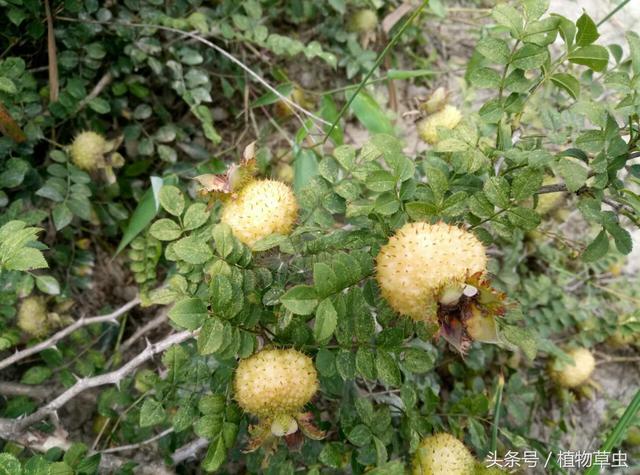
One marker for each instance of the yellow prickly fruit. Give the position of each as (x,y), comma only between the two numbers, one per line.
(420,259)
(442,454)
(87,150)
(32,317)
(448,117)
(275,382)
(263,207)
(571,375)
(363,21)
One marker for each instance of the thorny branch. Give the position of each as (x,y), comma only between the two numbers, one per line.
(150,440)
(10,428)
(50,342)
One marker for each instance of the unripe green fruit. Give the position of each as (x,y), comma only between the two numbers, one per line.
(263,207)
(448,117)
(87,150)
(442,454)
(32,317)
(275,382)
(420,259)
(572,375)
(363,21)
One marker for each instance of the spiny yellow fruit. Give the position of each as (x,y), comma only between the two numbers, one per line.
(448,117)
(32,317)
(420,259)
(263,207)
(572,375)
(275,382)
(87,150)
(363,21)
(442,454)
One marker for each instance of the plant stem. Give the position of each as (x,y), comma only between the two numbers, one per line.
(375,66)
(496,415)
(616,434)
(613,12)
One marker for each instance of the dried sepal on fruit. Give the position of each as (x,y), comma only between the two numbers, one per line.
(275,385)
(572,375)
(226,186)
(436,273)
(442,454)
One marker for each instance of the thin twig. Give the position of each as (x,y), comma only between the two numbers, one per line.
(9,388)
(10,427)
(95,92)
(122,448)
(54,85)
(613,12)
(152,324)
(220,50)
(375,66)
(42,442)
(50,342)
(189,451)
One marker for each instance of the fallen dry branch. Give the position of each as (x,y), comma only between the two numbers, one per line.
(189,451)
(10,428)
(9,388)
(50,342)
(150,440)
(40,442)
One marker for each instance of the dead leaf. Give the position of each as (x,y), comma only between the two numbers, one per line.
(392,18)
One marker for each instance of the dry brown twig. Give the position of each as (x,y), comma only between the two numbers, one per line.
(220,50)
(95,92)
(51,341)
(10,428)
